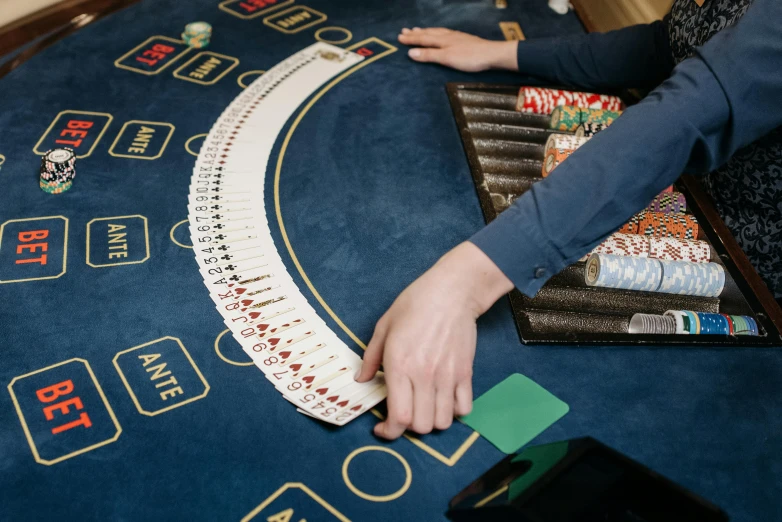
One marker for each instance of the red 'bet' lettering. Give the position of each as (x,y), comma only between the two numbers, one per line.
(253,5)
(26,237)
(50,393)
(365,52)
(73,129)
(157,53)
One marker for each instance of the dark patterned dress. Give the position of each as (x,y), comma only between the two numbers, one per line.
(747,190)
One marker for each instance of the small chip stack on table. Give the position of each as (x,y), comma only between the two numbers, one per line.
(57,170)
(197,34)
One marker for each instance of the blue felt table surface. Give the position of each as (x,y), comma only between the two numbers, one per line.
(374,187)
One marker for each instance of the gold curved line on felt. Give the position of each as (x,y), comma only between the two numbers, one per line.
(171,235)
(190,140)
(448,461)
(223,357)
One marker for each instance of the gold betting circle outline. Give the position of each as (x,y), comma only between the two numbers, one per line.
(241,77)
(377,498)
(223,357)
(319,38)
(469,441)
(2,160)
(190,139)
(171,235)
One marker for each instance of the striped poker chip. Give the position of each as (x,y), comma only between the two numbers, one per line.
(674,249)
(653,324)
(589,129)
(631,227)
(679,318)
(569,117)
(563,141)
(540,100)
(668,203)
(553,158)
(686,278)
(624,245)
(657,224)
(627,273)
(566,118)
(713,324)
(692,322)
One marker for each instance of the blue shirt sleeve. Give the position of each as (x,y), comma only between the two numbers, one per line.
(723,98)
(636,56)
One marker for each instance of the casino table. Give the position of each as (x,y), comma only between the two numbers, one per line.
(367,186)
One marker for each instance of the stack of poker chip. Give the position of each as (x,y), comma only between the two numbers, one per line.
(658,224)
(654,275)
(568,118)
(668,203)
(540,100)
(685,278)
(197,34)
(626,273)
(675,249)
(57,170)
(557,149)
(667,248)
(589,129)
(652,324)
(702,323)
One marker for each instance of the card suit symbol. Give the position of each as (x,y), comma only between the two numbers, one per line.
(356,407)
(234,278)
(217,216)
(342,404)
(221,162)
(321,391)
(285,355)
(333,398)
(240,290)
(295,367)
(308,379)
(220,237)
(223,248)
(224,156)
(219,226)
(273,341)
(255,315)
(247,302)
(227,257)
(220,168)
(230,267)
(216,207)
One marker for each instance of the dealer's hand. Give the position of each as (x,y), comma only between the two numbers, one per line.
(426,342)
(459,50)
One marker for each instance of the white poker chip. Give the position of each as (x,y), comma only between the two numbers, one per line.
(678,317)
(59,155)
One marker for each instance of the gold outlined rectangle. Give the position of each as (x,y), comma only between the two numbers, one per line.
(26,428)
(133,397)
(146,241)
(57,118)
(64,248)
(319,18)
(512,31)
(224,6)
(141,122)
(118,64)
(194,58)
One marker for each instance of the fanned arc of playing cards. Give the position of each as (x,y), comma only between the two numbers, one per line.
(259,301)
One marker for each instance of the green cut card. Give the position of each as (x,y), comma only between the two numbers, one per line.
(514,412)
